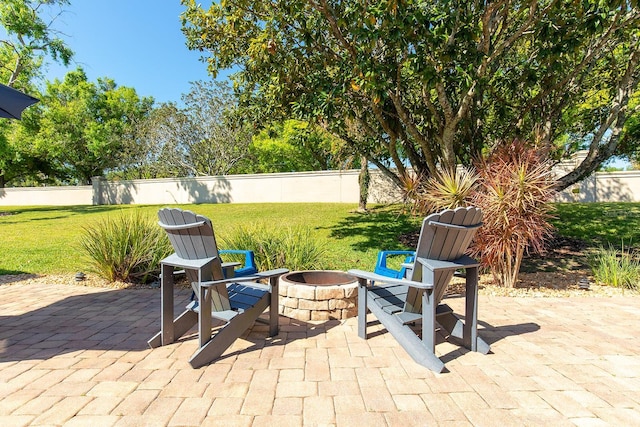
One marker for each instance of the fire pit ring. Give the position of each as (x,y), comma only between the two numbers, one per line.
(318,295)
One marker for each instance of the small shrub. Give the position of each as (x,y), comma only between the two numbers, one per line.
(126,248)
(620,269)
(445,189)
(449,189)
(515,188)
(412,187)
(292,247)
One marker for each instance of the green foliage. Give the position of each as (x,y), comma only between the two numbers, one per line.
(154,154)
(446,189)
(293,146)
(620,269)
(28,38)
(630,141)
(513,187)
(515,190)
(432,83)
(85,126)
(207,136)
(449,189)
(292,247)
(45,240)
(213,136)
(127,248)
(412,186)
(80,129)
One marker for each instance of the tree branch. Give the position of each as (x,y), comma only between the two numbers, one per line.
(614,123)
(591,55)
(405,117)
(329,14)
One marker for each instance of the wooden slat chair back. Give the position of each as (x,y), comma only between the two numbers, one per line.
(444,236)
(235,302)
(192,238)
(402,303)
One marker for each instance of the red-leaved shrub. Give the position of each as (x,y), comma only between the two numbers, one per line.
(515,188)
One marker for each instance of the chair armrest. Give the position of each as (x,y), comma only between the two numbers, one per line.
(462,262)
(249,266)
(230,264)
(175,261)
(367,275)
(270,273)
(262,275)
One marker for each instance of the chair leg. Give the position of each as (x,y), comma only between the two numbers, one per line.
(455,328)
(166,316)
(428,312)
(406,337)
(223,338)
(204,316)
(274,316)
(362,308)
(428,321)
(470,330)
(171,328)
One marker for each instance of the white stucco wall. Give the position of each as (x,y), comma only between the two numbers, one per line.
(46,196)
(297,187)
(323,186)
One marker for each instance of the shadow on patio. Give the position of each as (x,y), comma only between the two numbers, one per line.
(120,320)
(109,320)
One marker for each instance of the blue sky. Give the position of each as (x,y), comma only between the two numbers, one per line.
(137,43)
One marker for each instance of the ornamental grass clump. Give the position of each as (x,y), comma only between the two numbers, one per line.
(620,269)
(450,189)
(445,189)
(126,248)
(294,248)
(412,187)
(515,188)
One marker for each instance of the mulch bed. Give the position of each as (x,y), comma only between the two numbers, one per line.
(556,272)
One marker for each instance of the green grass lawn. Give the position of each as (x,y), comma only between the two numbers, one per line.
(600,224)
(45,240)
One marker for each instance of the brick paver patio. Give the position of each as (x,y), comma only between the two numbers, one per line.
(77,356)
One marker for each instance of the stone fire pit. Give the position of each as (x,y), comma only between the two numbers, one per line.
(318,295)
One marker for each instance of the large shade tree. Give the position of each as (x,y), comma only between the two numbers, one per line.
(213,136)
(83,129)
(204,136)
(28,36)
(433,83)
(152,151)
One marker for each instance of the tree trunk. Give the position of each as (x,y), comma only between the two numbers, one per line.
(363,180)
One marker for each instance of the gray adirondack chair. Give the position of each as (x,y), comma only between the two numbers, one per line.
(400,302)
(236,302)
